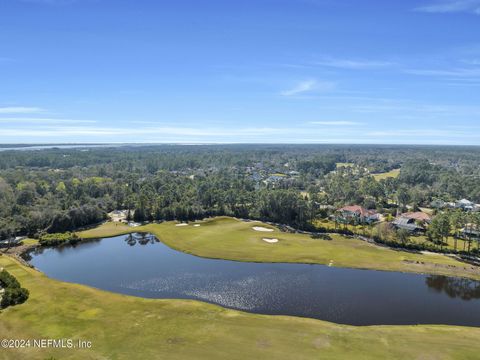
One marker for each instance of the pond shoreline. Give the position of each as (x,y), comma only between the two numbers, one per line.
(173,320)
(18,253)
(239,230)
(147,268)
(462,269)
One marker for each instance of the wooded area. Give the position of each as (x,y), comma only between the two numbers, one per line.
(59,190)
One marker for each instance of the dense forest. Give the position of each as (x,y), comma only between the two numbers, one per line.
(57,190)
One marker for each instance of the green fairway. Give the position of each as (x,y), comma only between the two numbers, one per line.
(391,174)
(232,239)
(344,164)
(29,241)
(123,327)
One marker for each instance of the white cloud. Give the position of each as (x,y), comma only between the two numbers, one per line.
(183,135)
(49,131)
(424,133)
(451,6)
(335,123)
(20,110)
(456,72)
(308,86)
(353,64)
(41,121)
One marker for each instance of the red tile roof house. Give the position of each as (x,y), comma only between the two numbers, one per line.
(357,215)
(418,216)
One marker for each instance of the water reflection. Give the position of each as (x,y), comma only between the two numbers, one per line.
(464,289)
(140,238)
(138,264)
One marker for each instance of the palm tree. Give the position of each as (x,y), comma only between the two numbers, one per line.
(457,221)
(469,219)
(476,220)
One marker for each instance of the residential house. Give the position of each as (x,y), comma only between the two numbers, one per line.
(356,214)
(465,204)
(438,204)
(13,241)
(413,221)
(119,215)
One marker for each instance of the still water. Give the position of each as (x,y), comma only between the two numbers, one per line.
(140,265)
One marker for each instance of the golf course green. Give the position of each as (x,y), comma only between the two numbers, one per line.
(233,239)
(124,327)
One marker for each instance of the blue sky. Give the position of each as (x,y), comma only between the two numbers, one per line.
(277,71)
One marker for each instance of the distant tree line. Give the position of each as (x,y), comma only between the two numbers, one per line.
(59,190)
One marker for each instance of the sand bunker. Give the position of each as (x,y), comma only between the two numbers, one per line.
(182,224)
(196,225)
(270,241)
(261,228)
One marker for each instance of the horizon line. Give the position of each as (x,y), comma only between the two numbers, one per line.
(186,143)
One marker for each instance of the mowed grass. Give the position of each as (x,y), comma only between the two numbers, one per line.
(344,164)
(232,239)
(391,174)
(449,242)
(29,241)
(107,229)
(123,327)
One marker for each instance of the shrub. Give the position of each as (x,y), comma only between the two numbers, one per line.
(7,280)
(14,294)
(58,239)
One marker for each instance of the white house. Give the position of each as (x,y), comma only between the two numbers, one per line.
(465,204)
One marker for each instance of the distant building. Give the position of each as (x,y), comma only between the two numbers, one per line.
(356,214)
(418,216)
(324,206)
(256,176)
(465,204)
(119,215)
(438,204)
(413,221)
(13,241)
(274,179)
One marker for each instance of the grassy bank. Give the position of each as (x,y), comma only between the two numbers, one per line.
(122,327)
(232,239)
(391,174)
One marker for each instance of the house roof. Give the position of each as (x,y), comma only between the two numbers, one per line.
(418,215)
(358,210)
(407,224)
(465,202)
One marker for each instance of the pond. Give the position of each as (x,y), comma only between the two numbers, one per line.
(140,265)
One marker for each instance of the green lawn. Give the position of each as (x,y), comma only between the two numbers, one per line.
(450,242)
(391,174)
(123,327)
(29,241)
(106,230)
(344,164)
(227,238)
